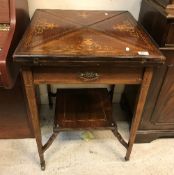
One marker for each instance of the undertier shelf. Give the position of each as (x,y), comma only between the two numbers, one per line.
(83,108)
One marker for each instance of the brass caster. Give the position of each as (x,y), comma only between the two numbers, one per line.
(42,165)
(126,159)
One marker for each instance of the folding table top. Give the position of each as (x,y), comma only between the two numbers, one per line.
(61,35)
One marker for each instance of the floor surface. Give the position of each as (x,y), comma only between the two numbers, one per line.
(70,154)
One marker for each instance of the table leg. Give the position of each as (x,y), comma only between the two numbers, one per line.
(112,92)
(139,109)
(33,112)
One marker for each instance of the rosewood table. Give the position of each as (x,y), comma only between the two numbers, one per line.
(79,47)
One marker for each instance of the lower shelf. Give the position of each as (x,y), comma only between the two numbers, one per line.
(83,108)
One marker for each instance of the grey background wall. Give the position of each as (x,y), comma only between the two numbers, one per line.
(131,5)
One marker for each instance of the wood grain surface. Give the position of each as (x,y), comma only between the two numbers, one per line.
(85,35)
(4,11)
(83,108)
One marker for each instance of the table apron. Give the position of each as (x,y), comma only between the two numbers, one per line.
(88,75)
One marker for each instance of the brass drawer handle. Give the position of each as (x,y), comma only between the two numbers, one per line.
(89,76)
(4,27)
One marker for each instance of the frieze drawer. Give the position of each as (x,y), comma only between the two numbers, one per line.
(88,75)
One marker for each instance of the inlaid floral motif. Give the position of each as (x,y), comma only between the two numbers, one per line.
(83,14)
(89,44)
(40,28)
(126,26)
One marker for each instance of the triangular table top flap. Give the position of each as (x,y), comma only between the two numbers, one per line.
(126,30)
(82,17)
(85,42)
(68,33)
(46,27)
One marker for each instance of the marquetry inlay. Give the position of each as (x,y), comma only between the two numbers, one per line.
(126,26)
(83,14)
(44,26)
(89,44)
(84,33)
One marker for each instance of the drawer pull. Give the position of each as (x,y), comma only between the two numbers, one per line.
(89,76)
(4,27)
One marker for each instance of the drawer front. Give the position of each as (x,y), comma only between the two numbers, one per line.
(88,75)
(4,11)
(170,36)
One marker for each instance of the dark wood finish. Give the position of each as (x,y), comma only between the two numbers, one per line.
(51,36)
(161,117)
(158,113)
(158,28)
(167,6)
(147,136)
(79,109)
(50,95)
(12,15)
(83,108)
(4,11)
(170,37)
(86,46)
(73,75)
(50,141)
(158,23)
(14,118)
(163,113)
(158,116)
(32,103)
(3,36)
(139,109)
(164,3)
